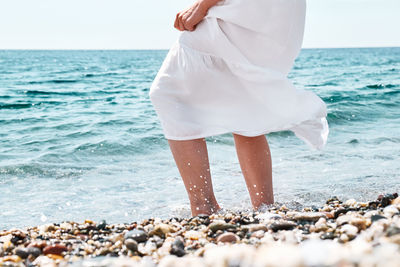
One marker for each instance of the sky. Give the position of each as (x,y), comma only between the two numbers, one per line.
(148,24)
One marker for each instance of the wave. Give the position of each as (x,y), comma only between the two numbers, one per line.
(39,92)
(42,170)
(53,81)
(27,105)
(15,106)
(380,86)
(88,75)
(74,93)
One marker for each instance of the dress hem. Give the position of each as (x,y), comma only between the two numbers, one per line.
(256,133)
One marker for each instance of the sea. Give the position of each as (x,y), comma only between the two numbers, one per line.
(79,138)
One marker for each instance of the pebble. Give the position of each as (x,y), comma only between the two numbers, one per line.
(390,210)
(377,217)
(396,201)
(228,238)
(350,230)
(306,216)
(178,247)
(22,253)
(137,235)
(101,225)
(256,227)
(220,225)
(12,258)
(344,238)
(131,244)
(283,225)
(350,202)
(161,230)
(327,235)
(193,235)
(54,249)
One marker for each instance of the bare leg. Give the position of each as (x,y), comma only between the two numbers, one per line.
(255,161)
(191,158)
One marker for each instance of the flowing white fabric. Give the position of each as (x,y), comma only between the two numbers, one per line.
(230,75)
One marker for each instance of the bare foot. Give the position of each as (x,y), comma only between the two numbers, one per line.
(205,209)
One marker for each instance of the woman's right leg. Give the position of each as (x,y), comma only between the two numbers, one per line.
(191,158)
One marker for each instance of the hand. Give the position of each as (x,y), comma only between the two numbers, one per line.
(189,18)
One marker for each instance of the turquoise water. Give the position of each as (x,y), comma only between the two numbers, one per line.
(79,138)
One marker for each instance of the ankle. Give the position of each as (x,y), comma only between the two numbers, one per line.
(207,208)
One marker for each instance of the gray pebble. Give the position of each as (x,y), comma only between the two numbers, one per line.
(34,251)
(377,217)
(215,226)
(101,225)
(282,226)
(137,235)
(22,253)
(178,247)
(131,244)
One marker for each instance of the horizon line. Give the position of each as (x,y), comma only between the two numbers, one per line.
(160,49)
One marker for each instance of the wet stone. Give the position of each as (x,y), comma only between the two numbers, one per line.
(285,225)
(131,244)
(228,238)
(101,225)
(158,240)
(34,251)
(178,247)
(377,217)
(333,200)
(327,235)
(22,253)
(220,225)
(307,216)
(386,199)
(137,235)
(54,249)
(339,212)
(256,227)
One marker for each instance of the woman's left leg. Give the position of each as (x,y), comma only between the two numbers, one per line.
(255,161)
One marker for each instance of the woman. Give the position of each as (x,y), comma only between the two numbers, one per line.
(227,73)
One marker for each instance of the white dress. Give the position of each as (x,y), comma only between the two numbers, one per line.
(230,76)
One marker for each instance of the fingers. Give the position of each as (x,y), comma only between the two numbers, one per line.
(179,22)
(181,25)
(187,20)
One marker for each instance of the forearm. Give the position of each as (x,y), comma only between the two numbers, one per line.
(207,4)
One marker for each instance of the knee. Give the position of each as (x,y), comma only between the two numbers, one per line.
(244,137)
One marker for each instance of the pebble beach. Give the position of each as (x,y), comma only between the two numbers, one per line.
(339,233)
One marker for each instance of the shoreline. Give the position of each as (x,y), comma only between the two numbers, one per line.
(347,233)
